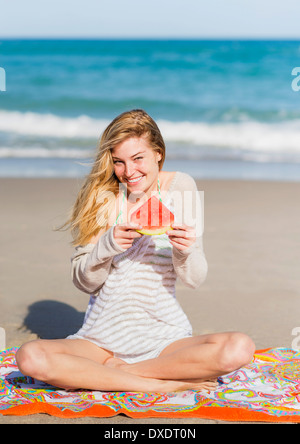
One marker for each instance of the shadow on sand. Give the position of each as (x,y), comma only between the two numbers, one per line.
(52,319)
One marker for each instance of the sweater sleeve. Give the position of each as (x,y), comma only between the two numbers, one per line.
(190,264)
(91,264)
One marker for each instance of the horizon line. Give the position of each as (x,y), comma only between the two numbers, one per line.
(157,38)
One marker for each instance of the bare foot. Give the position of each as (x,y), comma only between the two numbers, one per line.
(199,385)
(179,386)
(163,385)
(209,384)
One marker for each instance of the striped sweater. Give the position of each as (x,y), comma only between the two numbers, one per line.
(133,307)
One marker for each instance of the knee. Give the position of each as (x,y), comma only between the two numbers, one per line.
(31,360)
(236,351)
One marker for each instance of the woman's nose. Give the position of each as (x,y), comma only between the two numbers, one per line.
(128,170)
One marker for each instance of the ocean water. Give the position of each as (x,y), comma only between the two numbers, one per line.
(226,109)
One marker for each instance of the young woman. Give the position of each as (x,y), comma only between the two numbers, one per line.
(135,335)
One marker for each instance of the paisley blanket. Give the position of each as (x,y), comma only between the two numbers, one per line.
(268,389)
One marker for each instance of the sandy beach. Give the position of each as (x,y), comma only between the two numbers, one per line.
(251,241)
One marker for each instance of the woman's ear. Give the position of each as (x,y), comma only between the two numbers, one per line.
(158,157)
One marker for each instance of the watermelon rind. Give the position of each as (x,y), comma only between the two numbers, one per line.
(154,232)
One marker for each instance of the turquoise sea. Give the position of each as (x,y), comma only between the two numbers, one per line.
(227,109)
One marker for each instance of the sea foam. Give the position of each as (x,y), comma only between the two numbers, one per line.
(78,136)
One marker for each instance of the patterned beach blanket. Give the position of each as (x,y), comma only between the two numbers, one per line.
(268,389)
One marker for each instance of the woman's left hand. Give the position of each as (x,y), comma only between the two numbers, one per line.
(182,236)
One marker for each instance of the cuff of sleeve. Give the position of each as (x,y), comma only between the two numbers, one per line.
(182,254)
(107,246)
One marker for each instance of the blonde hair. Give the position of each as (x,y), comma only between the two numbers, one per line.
(90,214)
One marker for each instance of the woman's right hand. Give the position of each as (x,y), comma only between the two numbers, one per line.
(124,234)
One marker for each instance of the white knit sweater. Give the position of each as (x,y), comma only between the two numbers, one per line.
(133,308)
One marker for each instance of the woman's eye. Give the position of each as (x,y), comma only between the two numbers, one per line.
(119,161)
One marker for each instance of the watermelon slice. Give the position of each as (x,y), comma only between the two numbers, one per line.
(154,217)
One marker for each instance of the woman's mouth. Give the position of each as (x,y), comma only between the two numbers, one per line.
(134,180)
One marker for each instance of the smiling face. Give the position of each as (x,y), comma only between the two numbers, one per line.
(136,165)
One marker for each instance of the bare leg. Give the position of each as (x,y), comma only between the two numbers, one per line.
(196,359)
(78,364)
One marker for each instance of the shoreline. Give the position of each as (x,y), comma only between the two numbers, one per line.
(200,169)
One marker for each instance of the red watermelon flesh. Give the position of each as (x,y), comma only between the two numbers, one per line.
(153,216)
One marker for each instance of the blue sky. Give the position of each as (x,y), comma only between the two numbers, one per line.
(154,18)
